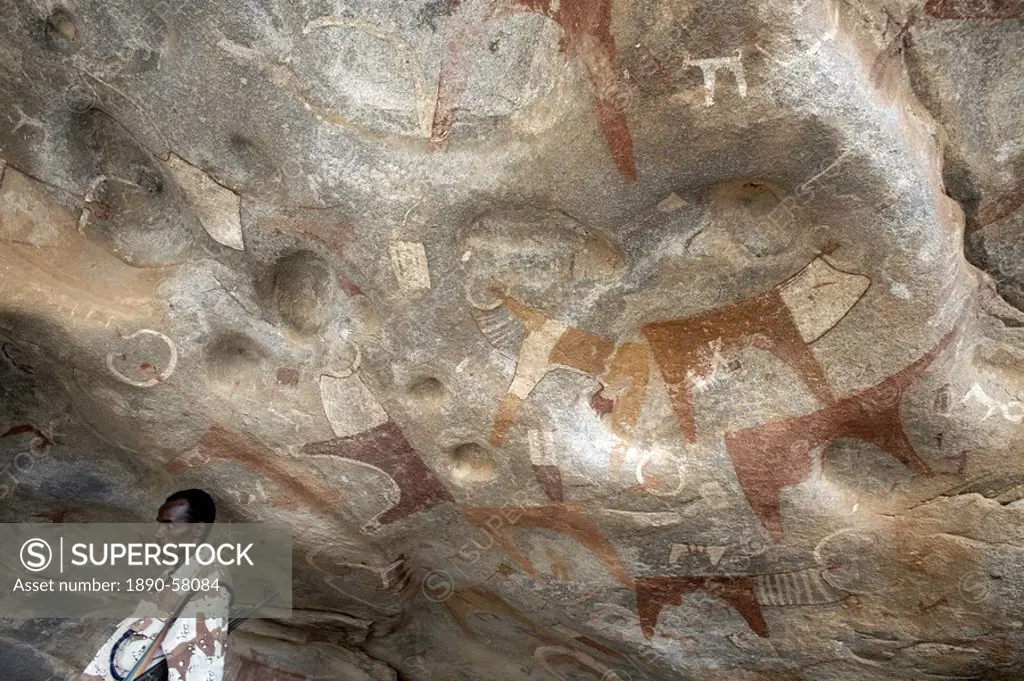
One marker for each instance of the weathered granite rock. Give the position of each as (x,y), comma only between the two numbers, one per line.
(578,339)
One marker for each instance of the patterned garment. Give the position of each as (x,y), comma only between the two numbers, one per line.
(194,647)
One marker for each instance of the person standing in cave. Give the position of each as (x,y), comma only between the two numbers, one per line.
(194,648)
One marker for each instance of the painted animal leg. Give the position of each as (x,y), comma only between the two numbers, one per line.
(626,382)
(786,343)
(534,364)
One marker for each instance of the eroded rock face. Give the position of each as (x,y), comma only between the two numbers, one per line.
(578,339)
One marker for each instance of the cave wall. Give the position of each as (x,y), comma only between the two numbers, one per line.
(578,339)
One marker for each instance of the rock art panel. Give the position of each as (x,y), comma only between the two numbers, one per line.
(768,457)
(344,113)
(294,488)
(654,593)
(783,321)
(567,519)
(550,344)
(217,207)
(587,36)
(797,588)
(385,448)
(765,321)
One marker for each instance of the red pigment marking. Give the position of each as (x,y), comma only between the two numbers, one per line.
(386,448)
(975,9)
(56,515)
(769,457)
(288,376)
(569,519)
(349,285)
(601,404)
(597,646)
(295,490)
(680,348)
(587,35)
(28,428)
(586,26)
(653,593)
(550,478)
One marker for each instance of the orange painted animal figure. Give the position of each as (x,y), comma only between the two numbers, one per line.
(784,320)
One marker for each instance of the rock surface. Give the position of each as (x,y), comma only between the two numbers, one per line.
(578,339)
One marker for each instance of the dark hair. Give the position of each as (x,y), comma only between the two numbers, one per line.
(201,508)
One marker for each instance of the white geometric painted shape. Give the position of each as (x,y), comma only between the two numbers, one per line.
(533,357)
(671,203)
(804,587)
(172,363)
(819,295)
(709,71)
(542,447)
(218,208)
(350,406)
(409,262)
(1012,411)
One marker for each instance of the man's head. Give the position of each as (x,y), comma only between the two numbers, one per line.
(186,516)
